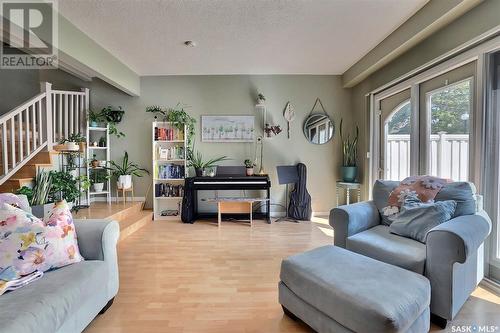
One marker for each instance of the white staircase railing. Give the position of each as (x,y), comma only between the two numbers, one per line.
(29,128)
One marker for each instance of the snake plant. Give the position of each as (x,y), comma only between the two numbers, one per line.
(349,147)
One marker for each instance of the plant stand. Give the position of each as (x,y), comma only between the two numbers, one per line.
(63,155)
(124,193)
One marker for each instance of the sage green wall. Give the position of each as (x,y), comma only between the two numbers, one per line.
(477,21)
(235,95)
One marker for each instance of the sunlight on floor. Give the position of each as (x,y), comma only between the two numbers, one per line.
(486,295)
(323,225)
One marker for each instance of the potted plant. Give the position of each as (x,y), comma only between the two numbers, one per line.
(157,111)
(94,162)
(261,99)
(84,182)
(94,118)
(124,171)
(349,155)
(196,161)
(249,165)
(98,177)
(112,114)
(39,201)
(102,141)
(63,187)
(67,145)
(79,139)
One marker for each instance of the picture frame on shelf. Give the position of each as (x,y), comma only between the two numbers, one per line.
(227,128)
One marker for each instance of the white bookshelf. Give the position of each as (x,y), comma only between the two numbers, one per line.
(175,144)
(93,134)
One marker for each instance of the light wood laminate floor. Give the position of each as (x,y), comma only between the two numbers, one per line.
(200,278)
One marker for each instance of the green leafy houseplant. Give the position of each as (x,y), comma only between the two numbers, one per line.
(63,186)
(179,117)
(126,168)
(84,182)
(98,176)
(196,161)
(107,115)
(249,163)
(349,154)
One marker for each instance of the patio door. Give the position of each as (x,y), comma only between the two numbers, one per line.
(396,138)
(446,105)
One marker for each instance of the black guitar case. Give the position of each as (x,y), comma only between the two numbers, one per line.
(187,210)
(300,199)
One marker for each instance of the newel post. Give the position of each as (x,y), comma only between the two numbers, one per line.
(46,87)
(86,106)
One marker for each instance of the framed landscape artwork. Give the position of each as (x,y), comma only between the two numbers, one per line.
(227,128)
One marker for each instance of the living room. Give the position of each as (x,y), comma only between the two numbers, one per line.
(249,166)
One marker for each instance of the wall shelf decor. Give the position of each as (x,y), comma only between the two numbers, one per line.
(227,128)
(103,154)
(169,169)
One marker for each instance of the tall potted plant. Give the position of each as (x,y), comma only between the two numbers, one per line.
(349,155)
(123,172)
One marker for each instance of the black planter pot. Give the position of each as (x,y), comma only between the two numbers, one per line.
(115,116)
(199,172)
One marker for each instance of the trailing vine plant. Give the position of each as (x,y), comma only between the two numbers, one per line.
(179,117)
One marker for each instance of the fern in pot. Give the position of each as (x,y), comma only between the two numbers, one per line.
(349,155)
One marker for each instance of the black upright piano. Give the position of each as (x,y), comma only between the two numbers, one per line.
(224,180)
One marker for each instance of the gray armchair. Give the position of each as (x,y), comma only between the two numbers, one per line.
(452,257)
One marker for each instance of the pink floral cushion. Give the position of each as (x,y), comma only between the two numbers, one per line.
(28,244)
(23,247)
(60,232)
(19,200)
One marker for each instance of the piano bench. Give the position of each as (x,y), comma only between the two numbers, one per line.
(235,206)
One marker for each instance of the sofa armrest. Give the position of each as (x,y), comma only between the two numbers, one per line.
(458,238)
(97,240)
(349,220)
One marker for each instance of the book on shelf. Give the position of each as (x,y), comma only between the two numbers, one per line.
(170,153)
(18,283)
(169,190)
(169,171)
(168,134)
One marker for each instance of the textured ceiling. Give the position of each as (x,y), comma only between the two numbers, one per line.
(237,36)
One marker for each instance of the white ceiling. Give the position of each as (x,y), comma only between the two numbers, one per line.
(238,36)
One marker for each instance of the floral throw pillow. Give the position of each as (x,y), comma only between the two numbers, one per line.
(19,201)
(61,234)
(28,244)
(23,246)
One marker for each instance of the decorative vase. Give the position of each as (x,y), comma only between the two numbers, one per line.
(349,173)
(94,163)
(124,182)
(93,124)
(249,171)
(98,187)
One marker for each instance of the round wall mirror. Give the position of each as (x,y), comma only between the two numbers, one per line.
(319,128)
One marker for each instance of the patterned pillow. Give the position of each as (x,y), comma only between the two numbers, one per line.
(28,244)
(60,232)
(19,201)
(23,246)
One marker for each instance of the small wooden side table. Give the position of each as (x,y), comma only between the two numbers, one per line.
(234,206)
(348,186)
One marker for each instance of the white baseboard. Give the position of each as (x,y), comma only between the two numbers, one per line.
(490,286)
(114,199)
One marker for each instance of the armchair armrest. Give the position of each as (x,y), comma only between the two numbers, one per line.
(454,261)
(349,220)
(458,238)
(97,240)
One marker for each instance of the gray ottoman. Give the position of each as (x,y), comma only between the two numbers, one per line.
(334,290)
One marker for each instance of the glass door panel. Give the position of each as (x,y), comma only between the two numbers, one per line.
(395,129)
(445,122)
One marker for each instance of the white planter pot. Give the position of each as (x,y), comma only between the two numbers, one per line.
(72,146)
(73,173)
(124,182)
(98,187)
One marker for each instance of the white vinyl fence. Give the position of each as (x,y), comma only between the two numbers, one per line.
(449,156)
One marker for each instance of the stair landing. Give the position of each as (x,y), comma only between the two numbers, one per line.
(129,215)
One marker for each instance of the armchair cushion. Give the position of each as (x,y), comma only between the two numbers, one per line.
(378,243)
